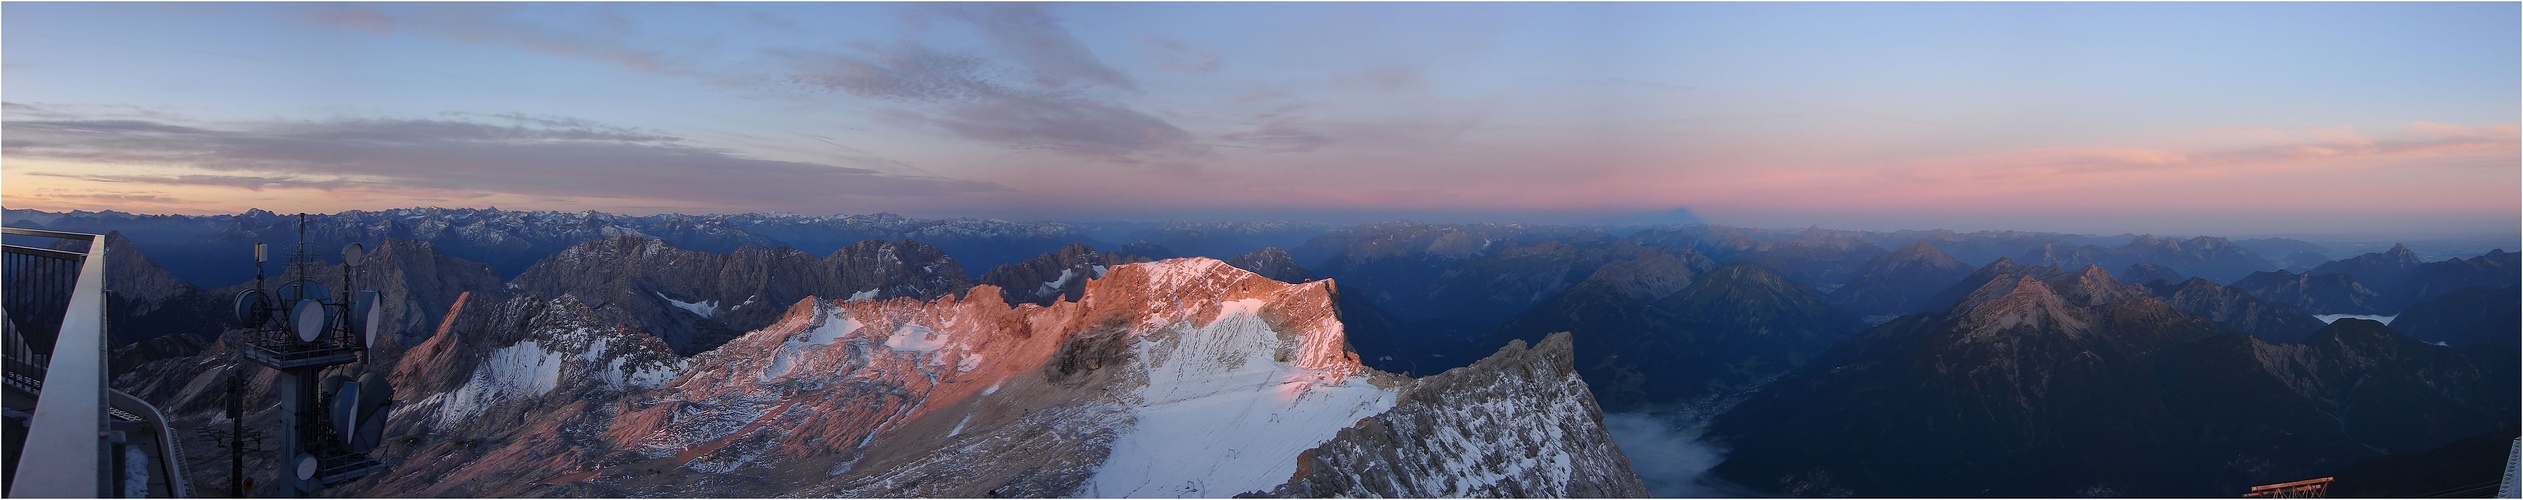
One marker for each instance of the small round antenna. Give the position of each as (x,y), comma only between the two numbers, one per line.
(351,254)
(309,319)
(345,410)
(367,316)
(253,308)
(306,467)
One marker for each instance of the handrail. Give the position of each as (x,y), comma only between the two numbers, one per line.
(170,454)
(43,252)
(69,421)
(24,231)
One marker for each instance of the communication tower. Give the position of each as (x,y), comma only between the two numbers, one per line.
(301,330)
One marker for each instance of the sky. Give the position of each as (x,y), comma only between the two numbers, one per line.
(2226,118)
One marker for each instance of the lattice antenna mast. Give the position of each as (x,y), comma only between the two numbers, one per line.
(332,422)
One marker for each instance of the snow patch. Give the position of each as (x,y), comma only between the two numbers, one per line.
(2328,318)
(915,338)
(1053,286)
(1220,415)
(870,294)
(1099,272)
(835,324)
(522,370)
(702,309)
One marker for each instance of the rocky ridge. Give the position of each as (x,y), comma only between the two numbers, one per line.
(1122,392)
(697,300)
(1398,453)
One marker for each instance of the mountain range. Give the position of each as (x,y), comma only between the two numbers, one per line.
(1828,364)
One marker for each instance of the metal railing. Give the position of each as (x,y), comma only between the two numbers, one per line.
(40,282)
(69,423)
(55,301)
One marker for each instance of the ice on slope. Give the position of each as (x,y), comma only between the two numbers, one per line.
(832,326)
(525,369)
(1053,286)
(915,338)
(1220,416)
(2332,318)
(702,309)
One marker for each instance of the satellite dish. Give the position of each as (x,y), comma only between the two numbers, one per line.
(366,317)
(309,319)
(375,393)
(351,254)
(306,467)
(302,290)
(345,409)
(253,308)
(373,398)
(370,433)
(332,384)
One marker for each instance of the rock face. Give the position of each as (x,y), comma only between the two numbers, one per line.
(2144,273)
(2275,323)
(2033,387)
(1273,263)
(1055,276)
(1816,257)
(1185,377)
(2330,293)
(2467,317)
(2000,270)
(2380,268)
(1729,330)
(1900,282)
(415,282)
(2209,257)
(697,300)
(1556,447)
(208,249)
(149,303)
(2397,279)
(418,284)
(1428,296)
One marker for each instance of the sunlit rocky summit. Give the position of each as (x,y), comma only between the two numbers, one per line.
(1184,377)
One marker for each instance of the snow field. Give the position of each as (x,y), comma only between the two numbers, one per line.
(1219,416)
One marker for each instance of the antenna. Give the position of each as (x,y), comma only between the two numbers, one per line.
(303,331)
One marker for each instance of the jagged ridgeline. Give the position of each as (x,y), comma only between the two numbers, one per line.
(1865,363)
(1184,377)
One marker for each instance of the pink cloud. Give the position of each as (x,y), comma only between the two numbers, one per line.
(2331,149)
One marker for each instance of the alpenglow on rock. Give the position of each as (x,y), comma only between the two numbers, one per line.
(1179,378)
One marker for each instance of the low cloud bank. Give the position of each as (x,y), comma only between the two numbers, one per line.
(1668,453)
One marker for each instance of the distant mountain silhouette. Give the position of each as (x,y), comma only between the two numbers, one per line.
(1900,282)
(2477,316)
(1649,333)
(2068,387)
(2238,310)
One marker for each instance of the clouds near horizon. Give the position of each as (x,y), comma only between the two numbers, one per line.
(453,157)
(1754,113)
